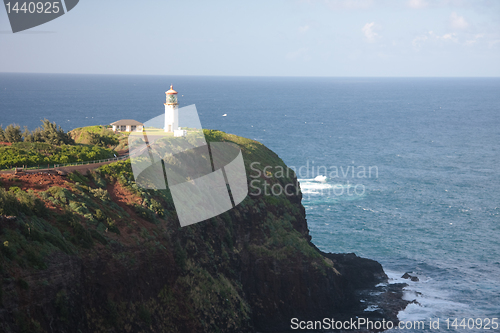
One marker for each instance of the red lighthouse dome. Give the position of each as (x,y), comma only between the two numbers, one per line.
(171,91)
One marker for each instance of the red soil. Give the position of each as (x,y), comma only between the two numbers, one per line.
(34,181)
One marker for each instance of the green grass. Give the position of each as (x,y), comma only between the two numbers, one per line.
(40,154)
(100,136)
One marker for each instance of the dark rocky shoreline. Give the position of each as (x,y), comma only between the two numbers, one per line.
(363,283)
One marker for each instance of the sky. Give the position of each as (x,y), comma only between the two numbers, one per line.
(346,38)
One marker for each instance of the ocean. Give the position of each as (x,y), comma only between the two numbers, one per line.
(409,168)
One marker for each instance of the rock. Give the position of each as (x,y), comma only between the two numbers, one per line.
(410,277)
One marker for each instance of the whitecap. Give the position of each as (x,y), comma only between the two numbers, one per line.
(429,300)
(371,308)
(320,178)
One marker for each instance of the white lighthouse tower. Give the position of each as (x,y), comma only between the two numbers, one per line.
(171,111)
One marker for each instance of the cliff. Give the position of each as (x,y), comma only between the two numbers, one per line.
(96,253)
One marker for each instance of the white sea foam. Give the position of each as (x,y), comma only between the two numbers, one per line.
(431,300)
(312,186)
(320,178)
(371,308)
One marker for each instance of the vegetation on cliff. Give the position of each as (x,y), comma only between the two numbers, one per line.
(96,253)
(101,136)
(49,144)
(41,154)
(49,133)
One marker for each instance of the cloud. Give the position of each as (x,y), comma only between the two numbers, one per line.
(430,37)
(450,36)
(471,42)
(458,22)
(370,34)
(417,4)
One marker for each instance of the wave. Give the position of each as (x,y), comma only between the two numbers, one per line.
(428,299)
(320,178)
(311,186)
(322,188)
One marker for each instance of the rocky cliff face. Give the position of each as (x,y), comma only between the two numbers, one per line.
(99,254)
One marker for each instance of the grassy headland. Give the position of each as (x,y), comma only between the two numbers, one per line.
(49,144)
(97,253)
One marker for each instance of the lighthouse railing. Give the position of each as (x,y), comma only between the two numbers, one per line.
(61,165)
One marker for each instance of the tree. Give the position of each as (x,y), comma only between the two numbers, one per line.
(54,134)
(48,133)
(2,135)
(27,135)
(13,133)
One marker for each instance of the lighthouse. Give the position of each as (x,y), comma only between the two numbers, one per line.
(171,111)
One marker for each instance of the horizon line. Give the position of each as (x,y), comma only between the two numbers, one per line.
(263,76)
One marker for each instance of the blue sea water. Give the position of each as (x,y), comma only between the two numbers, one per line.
(431,204)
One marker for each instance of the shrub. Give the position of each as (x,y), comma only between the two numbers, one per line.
(79,208)
(99,215)
(17,202)
(98,180)
(14,189)
(60,194)
(157,208)
(34,154)
(75,176)
(112,226)
(145,213)
(100,194)
(121,170)
(103,140)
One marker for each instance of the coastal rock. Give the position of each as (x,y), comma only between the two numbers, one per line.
(410,277)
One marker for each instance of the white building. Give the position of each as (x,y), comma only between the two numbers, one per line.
(127,125)
(171,111)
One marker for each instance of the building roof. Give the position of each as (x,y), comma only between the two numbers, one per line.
(171,91)
(125,122)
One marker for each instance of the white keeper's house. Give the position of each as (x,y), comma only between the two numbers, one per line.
(127,125)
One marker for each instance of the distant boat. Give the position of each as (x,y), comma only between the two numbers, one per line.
(225,114)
